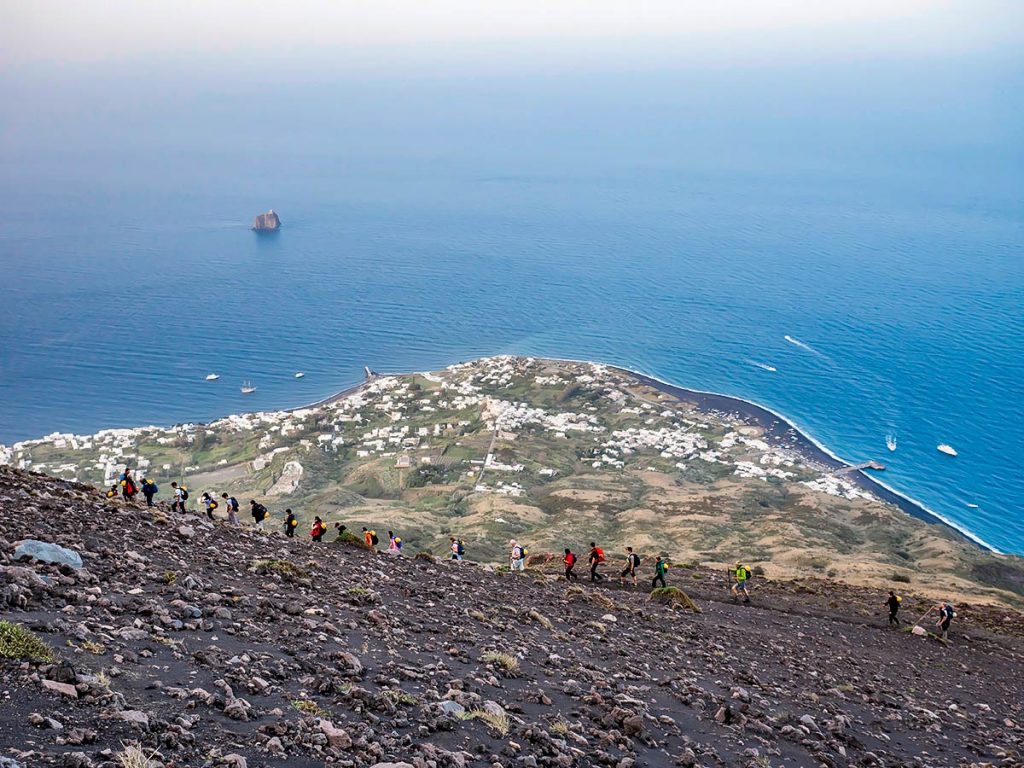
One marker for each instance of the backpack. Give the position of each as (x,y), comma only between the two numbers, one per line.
(398,543)
(213,504)
(373,538)
(462,547)
(293,522)
(748,573)
(636,560)
(233,503)
(184,493)
(260,512)
(600,554)
(111,493)
(153,488)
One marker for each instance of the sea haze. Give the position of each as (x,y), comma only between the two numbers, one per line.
(681,224)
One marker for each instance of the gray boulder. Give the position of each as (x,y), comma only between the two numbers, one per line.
(47,553)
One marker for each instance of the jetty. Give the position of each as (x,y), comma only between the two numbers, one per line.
(877,466)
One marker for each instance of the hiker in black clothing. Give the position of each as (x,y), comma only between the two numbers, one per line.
(945,619)
(258,512)
(894,607)
(570,562)
(595,559)
(632,563)
(290,524)
(128,487)
(149,490)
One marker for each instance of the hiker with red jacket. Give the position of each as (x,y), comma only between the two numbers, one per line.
(596,558)
(570,562)
(319,529)
(128,487)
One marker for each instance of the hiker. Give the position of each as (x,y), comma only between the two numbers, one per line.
(740,577)
(290,524)
(232,504)
(370,537)
(660,567)
(394,544)
(318,530)
(128,487)
(570,562)
(458,549)
(149,490)
(180,497)
(894,607)
(946,615)
(341,529)
(112,491)
(595,559)
(517,557)
(209,503)
(258,512)
(632,563)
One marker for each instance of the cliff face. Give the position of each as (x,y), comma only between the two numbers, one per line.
(267,222)
(205,644)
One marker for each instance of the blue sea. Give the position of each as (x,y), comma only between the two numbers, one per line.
(682,224)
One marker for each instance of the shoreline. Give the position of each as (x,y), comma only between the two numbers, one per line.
(784,431)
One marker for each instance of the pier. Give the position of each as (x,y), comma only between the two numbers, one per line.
(858,467)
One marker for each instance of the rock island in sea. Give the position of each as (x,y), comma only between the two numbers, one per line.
(267,222)
(554,453)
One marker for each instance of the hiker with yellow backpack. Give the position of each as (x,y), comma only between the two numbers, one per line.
(660,568)
(290,524)
(209,503)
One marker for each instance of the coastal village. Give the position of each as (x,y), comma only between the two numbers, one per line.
(551,451)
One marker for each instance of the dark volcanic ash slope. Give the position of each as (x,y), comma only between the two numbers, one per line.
(179,636)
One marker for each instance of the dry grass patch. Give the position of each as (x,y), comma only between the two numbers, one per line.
(504,661)
(674,598)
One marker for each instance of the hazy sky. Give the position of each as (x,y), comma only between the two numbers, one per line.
(74,32)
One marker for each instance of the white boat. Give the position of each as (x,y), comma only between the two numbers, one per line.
(212,376)
(972,506)
(949,450)
(248,388)
(299,375)
(890,442)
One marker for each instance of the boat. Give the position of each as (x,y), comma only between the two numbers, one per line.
(248,388)
(949,450)
(212,376)
(890,442)
(971,506)
(299,375)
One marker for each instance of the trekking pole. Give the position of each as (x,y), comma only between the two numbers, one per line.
(916,623)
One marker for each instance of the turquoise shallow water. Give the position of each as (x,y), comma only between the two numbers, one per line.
(682,237)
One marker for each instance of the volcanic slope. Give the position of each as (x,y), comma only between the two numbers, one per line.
(207,645)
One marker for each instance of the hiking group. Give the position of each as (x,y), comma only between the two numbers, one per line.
(740,575)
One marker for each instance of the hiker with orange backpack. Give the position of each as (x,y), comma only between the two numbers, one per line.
(595,559)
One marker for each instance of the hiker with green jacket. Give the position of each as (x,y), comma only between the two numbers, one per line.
(741,575)
(660,568)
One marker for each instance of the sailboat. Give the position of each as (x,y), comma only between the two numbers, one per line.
(248,388)
(890,442)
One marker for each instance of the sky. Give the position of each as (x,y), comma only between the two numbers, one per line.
(494,35)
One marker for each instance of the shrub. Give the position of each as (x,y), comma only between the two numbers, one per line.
(541,619)
(18,642)
(287,570)
(308,707)
(674,597)
(500,724)
(134,757)
(505,661)
(902,578)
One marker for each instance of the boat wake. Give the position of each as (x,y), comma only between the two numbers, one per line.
(890,442)
(763,366)
(803,345)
